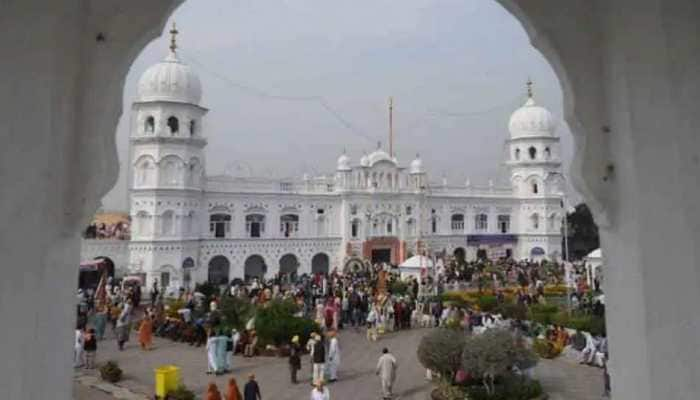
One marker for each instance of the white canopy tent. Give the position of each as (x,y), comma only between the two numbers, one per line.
(413,266)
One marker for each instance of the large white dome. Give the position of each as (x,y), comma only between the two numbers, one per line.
(170,80)
(532,120)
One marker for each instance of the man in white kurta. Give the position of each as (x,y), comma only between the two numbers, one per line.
(211,353)
(386,369)
(333,357)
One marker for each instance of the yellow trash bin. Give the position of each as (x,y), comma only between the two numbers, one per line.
(167,379)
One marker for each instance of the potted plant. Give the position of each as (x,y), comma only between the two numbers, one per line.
(111,372)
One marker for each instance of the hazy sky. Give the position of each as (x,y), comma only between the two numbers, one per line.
(456,69)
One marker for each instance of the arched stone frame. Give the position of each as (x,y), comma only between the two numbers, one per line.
(104,75)
(166,223)
(289,265)
(289,224)
(219,270)
(255,265)
(457,221)
(194,172)
(535,221)
(142,224)
(320,263)
(170,168)
(149,125)
(174,277)
(173,124)
(144,170)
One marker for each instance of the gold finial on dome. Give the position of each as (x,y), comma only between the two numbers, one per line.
(529,88)
(173,38)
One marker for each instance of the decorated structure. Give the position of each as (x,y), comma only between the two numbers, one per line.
(187,226)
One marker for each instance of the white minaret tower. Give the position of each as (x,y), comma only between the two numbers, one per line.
(167,169)
(535,164)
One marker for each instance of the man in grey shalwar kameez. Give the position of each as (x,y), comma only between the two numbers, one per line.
(386,369)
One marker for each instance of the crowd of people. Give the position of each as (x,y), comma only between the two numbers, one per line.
(101,230)
(373,298)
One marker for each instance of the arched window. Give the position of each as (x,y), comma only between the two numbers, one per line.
(504,223)
(255,225)
(167,223)
(220,225)
(289,225)
(150,125)
(533,152)
(355,229)
(189,225)
(143,223)
(434,225)
(411,227)
(481,222)
(457,222)
(174,125)
(517,154)
(193,126)
(535,188)
(389,227)
(547,153)
(535,221)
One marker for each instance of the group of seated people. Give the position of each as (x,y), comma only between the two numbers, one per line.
(119,231)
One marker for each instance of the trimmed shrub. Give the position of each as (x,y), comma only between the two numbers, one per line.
(181,393)
(512,311)
(488,303)
(511,387)
(276,324)
(493,355)
(235,312)
(111,372)
(440,350)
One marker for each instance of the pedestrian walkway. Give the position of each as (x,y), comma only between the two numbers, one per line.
(561,379)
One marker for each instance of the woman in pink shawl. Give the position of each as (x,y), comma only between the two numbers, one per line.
(329,313)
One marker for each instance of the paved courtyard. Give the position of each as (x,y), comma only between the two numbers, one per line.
(562,379)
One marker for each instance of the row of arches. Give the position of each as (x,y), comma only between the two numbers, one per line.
(220,225)
(172,126)
(532,154)
(255,266)
(171,170)
(168,223)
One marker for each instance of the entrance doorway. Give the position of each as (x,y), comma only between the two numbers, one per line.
(481,254)
(381,256)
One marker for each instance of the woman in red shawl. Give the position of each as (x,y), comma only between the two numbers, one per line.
(329,313)
(234,393)
(146,332)
(212,392)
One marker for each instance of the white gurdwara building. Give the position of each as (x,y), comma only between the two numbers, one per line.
(190,227)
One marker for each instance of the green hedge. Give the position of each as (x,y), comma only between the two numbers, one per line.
(275,324)
(488,303)
(510,388)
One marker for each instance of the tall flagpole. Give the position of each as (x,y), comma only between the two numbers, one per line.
(391,127)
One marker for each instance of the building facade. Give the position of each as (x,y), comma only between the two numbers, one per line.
(190,227)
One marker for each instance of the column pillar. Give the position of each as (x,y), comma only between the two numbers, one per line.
(64,64)
(629,71)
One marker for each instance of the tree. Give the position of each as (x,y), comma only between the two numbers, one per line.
(582,232)
(494,354)
(440,351)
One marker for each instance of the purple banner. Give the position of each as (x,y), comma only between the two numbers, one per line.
(476,240)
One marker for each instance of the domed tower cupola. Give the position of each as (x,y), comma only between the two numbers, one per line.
(533,146)
(170,80)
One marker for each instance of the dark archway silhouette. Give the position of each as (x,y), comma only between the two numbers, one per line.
(218,272)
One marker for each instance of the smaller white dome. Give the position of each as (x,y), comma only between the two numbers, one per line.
(364,161)
(344,162)
(380,155)
(170,80)
(416,166)
(531,120)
